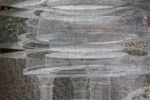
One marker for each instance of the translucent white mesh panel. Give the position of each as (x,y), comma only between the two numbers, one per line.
(87,39)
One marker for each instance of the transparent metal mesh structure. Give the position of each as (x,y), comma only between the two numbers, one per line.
(82,26)
(90,42)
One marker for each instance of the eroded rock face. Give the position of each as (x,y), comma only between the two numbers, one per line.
(15,85)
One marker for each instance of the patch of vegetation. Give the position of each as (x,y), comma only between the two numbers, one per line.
(10,28)
(138,44)
(88,90)
(35,45)
(137,52)
(144,96)
(138,48)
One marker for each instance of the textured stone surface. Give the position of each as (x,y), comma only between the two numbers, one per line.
(15,86)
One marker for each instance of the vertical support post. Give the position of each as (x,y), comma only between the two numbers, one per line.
(79,84)
(46,87)
(100,88)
